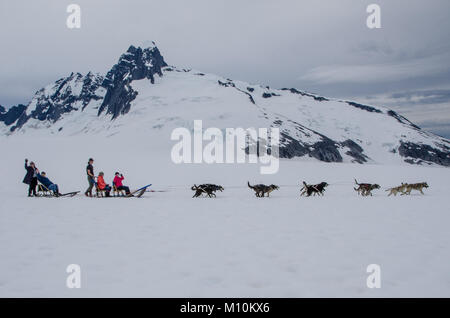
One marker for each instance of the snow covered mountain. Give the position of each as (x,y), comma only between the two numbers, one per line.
(142,95)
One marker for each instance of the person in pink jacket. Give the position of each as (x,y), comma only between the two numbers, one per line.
(118,178)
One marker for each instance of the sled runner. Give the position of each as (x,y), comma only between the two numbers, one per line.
(43,191)
(69,194)
(140,192)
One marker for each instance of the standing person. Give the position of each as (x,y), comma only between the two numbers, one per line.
(90,177)
(118,183)
(31,177)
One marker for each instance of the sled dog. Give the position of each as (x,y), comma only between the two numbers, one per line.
(309,189)
(398,189)
(415,186)
(262,189)
(208,189)
(365,189)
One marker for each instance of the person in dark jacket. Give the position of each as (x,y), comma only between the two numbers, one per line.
(31,177)
(42,178)
(90,177)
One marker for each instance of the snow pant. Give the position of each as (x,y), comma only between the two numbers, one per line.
(107,190)
(32,187)
(54,188)
(124,188)
(91,185)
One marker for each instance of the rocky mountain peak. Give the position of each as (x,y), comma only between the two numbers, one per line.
(80,102)
(135,64)
(50,103)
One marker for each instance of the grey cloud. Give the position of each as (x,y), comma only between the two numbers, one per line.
(319,46)
(442,130)
(435,96)
(385,72)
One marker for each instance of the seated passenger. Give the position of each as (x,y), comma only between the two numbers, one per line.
(118,183)
(101,184)
(42,178)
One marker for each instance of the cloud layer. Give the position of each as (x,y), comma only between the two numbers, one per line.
(320,46)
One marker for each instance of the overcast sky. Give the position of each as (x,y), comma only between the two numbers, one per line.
(322,46)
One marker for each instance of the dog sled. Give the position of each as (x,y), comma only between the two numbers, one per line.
(44,192)
(139,192)
(101,193)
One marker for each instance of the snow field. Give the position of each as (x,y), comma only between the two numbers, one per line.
(237,245)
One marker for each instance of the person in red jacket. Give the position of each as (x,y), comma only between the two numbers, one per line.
(118,183)
(102,184)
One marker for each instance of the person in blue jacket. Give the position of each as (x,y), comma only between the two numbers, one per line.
(42,178)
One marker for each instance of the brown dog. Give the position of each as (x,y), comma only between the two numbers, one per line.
(415,186)
(365,189)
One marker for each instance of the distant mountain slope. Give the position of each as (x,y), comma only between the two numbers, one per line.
(142,94)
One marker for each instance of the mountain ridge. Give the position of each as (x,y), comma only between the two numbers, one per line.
(310,125)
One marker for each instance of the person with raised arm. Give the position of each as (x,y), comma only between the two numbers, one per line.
(31,177)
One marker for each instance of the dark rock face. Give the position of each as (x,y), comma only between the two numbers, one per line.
(355,151)
(268,95)
(225,84)
(401,119)
(421,152)
(291,147)
(10,116)
(365,107)
(326,150)
(135,64)
(63,100)
(20,122)
(89,92)
(249,96)
(231,84)
(66,95)
(315,97)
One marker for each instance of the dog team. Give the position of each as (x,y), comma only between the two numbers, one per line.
(363,189)
(33,175)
